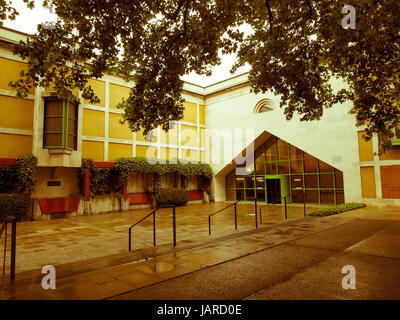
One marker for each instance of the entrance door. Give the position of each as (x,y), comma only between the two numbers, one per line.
(273,190)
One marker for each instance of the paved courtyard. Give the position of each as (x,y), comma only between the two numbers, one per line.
(67,240)
(300,258)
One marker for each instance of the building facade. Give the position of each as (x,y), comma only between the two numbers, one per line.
(224,124)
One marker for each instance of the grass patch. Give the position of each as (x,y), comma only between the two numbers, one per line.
(336,209)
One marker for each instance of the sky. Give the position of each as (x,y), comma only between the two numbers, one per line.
(28,19)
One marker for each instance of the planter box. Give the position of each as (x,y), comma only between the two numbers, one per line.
(58,205)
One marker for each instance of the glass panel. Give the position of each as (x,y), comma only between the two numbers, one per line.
(271,153)
(249,182)
(326,180)
(324,167)
(250,194)
(295,153)
(53,124)
(327,196)
(72,111)
(260,183)
(270,168)
(239,194)
(308,156)
(296,166)
(312,196)
(310,165)
(72,142)
(72,126)
(261,195)
(297,182)
(240,183)
(283,167)
(52,140)
(311,181)
(230,180)
(283,150)
(297,196)
(339,180)
(260,160)
(54,108)
(230,195)
(339,197)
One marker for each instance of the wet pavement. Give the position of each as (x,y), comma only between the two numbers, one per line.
(300,258)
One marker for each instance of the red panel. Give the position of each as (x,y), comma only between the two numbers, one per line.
(390,179)
(55,205)
(194,195)
(87,185)
(139,198)
(125,192)
(8,161)
(104,164)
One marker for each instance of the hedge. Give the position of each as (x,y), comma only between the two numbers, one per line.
(104,181)
(16,205)
(172,196)
(336,209)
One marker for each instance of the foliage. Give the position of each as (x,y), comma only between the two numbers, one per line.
(25,173)
(294,49)
(336,209)
(111,180)
(20,178)
(172,196)
(16,205)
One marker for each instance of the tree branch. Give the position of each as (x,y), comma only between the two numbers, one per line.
(268,6)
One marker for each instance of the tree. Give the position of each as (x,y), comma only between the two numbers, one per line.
(296,48)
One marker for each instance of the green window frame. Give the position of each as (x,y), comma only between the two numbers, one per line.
(395,140)
(60,129)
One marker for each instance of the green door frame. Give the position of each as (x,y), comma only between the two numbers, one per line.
(284,179)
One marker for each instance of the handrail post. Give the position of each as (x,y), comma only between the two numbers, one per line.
(260,216)
(154,228)
(130,239)
(5,245)
(255,209)
(235,216)
(285,209)
(174,224)
(304,206)
(209,225)
(13,246)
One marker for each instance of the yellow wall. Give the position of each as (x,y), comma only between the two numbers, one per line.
(189,136)
(93,150)
(202,114)
(168,153)
(365,148)
(116,129)
(16,113)
(190,155)
(190,113)
(99,88)
(93,123)
(145,151)
(118,150)
(170,137)
(12,145)
(117,92)
(368,182)
(141,137)
(9,71)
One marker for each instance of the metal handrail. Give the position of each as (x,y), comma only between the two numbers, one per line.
(3,228)
(209,217)
(154,227)
(278,201)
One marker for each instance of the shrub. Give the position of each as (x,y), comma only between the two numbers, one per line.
(336,209)
(16,205)
(172,196)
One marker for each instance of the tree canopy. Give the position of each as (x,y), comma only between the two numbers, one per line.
(296,48)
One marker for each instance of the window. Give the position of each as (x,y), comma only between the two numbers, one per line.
(396,136)
(60,124)
(263,106)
